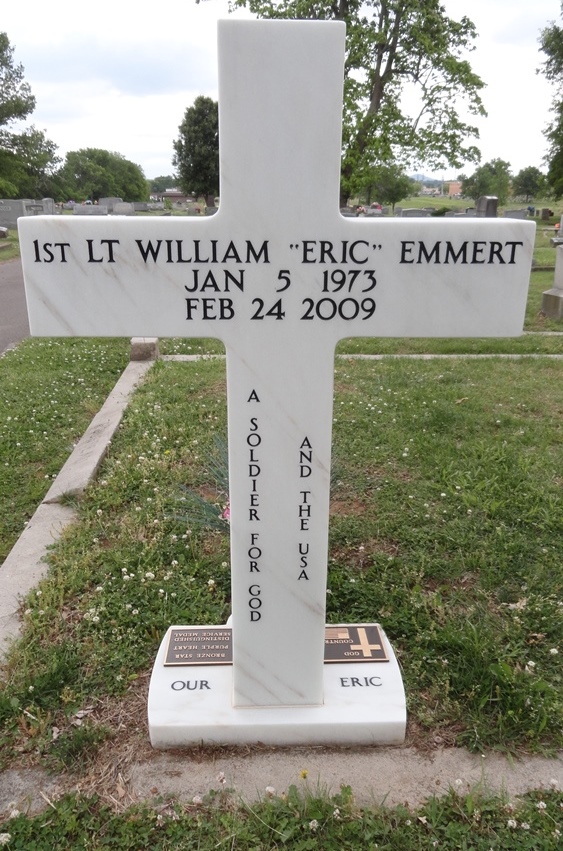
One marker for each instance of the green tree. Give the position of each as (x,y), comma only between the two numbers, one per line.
(529,182)
(94,173)
(27,159)
(551,43)
(30,159)
(492,178)
(16,100)
(196,150)
(165,181)
(388,185)
(396,47)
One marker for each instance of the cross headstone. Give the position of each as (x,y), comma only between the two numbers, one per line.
(279,276)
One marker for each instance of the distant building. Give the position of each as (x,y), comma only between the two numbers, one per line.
(454,188)
(174,195)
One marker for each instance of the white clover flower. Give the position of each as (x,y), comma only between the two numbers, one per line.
(149,575)
(512,823)
(525,825)
(313,825)
(541,805)
(270,791)
(197,800)
(336,814)
(5,838)
(553,651)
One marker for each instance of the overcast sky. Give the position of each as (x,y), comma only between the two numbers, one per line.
(119,76)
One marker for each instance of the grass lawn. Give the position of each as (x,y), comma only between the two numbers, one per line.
(298,821)
(446,526)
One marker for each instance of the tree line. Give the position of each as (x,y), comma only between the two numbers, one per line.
(29,165)
(393,47)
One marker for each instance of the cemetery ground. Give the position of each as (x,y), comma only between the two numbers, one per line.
(446,526)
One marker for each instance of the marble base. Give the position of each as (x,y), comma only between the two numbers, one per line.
(364,703)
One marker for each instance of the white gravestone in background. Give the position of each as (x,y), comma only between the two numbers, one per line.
(279,276)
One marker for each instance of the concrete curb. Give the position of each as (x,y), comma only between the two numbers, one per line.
(376,775)
(25,564)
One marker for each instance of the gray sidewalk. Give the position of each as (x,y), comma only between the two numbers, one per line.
(25,564)
(14,325)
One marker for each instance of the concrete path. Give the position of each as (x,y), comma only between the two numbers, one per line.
(13,310)
(25,564)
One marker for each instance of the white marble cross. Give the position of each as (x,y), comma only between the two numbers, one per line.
(279,276)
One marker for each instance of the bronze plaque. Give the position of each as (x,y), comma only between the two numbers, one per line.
(200,645)
(354,643)
(204,645)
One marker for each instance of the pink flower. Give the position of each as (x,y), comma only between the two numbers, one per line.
(226,515)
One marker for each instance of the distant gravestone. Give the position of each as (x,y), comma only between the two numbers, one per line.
(515,214)
(123,208)
(89,210)
(414,213)
(109,203)
(487,206)
(280,285)
(552,299)
(13,209)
